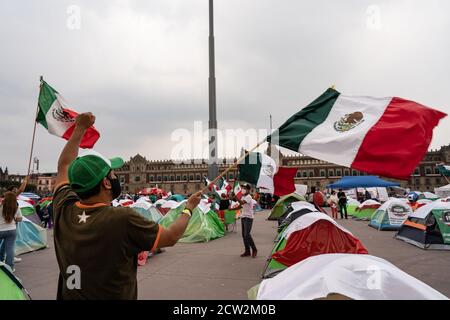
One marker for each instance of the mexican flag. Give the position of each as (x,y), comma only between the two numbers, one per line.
(226,186)
(58,119)
(237,190)
(258,169)
(384,136)
(211,186)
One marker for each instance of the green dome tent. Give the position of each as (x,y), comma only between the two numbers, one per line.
(11,288)
(352,204)
(282,204)
(366,210)
(203,226)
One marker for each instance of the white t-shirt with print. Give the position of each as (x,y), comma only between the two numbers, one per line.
(8,226)
(247,207)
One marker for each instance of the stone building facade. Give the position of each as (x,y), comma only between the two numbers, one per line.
(187,176)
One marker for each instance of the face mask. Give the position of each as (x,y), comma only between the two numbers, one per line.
(116,189)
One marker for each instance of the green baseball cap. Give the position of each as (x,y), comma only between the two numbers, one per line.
(87,170)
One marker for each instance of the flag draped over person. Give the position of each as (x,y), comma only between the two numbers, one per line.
(383,136)
(59,120)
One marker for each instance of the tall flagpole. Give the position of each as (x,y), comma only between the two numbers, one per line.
(212,125)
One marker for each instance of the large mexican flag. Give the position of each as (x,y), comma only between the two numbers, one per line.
(58,119)
(385,136)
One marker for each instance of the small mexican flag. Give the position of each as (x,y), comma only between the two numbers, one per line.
(384,136)
(226,186)
(237,190)
(58,119)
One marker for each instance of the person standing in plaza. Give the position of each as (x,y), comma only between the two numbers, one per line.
(9,215)
(333,202)
(99,242)
(342,204)
(247,215)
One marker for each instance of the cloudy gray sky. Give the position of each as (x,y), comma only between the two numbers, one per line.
(142,66)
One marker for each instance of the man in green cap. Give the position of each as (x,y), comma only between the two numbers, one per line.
(96,244)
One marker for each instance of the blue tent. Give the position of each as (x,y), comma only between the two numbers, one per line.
(350,182)
(176,197)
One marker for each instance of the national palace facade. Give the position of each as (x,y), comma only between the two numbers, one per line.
(188,176)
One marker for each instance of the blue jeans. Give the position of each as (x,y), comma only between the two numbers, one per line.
(8,241)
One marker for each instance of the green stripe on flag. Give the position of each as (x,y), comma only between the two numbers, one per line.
(291,134)
(26,211)
(47,95)
(250,168)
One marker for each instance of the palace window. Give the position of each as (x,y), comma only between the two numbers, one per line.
(172,178)
(354,173)
(338,173)
(198,177)
(191,177)
(311,174)
(346,172)
(305,174)
(330,173)
(165,178)
(151,178)
(159,178)
(178,178)
(184,177)
(137,179)
(427,170)
(322,173)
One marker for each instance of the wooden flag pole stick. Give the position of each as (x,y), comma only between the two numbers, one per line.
(34,134)
(232,166)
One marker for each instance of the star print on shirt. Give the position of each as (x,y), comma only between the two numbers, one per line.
(83,218)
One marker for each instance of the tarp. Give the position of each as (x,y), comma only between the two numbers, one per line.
(359,277)
(349,182)
(30,237)
(147,210)
(202,227)
(11,287)
(443,191)
(366,210)
(391,215)
(176,197)
(28,211)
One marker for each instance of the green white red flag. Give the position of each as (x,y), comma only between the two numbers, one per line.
(384,136)
(58,119)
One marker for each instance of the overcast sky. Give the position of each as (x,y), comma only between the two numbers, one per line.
(142,66)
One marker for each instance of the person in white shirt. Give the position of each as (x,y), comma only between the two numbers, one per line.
(247,214)
(9,216)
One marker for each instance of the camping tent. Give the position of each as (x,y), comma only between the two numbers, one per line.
(443,191)
(30,237)
(352,204)
(147,210)
(344,276)
(11,288)
(349,182)
(176,197)
(365,210)
(428,227)
(390,215)
(429,196)
(28,211)
(310,234)
(31,195)
(282,204)
(203,226)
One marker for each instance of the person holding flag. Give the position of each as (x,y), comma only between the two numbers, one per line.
(247,215)
(102,241)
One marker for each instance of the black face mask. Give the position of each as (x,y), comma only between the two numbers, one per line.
(116,189)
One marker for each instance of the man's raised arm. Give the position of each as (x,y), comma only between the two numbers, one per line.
(70,151)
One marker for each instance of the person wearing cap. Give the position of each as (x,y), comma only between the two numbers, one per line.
(247,214)
(96,244)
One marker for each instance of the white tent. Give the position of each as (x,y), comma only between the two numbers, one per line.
(442,192)
(355,276)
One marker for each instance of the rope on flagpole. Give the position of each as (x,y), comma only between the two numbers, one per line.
(34,133)
(232,166)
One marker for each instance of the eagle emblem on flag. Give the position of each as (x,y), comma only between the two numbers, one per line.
(349,121)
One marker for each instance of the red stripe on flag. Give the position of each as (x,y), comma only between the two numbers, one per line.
(283,181)
(396,144)
(90,137)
